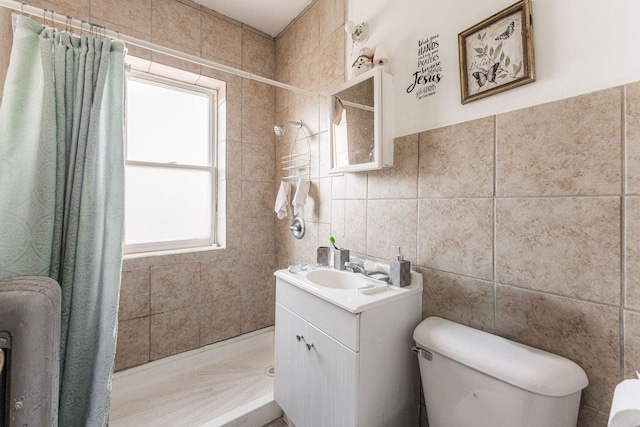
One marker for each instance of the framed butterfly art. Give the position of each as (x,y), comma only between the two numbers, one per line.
(497,54)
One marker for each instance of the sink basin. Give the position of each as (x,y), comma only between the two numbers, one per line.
(353,292)
(336,279)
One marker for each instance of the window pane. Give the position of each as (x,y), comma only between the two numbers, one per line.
(166,204)
(167,125)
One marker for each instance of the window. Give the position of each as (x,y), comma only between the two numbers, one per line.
(170,200)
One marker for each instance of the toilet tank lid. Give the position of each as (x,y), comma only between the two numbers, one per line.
(525,367)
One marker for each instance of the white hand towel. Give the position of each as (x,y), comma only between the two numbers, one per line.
(282,199)
(300,198)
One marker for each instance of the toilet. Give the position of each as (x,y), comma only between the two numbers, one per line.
(473,378)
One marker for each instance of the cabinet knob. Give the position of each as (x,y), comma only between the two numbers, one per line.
(299,337)
(310,346)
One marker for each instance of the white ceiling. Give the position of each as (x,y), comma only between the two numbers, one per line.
(268,16)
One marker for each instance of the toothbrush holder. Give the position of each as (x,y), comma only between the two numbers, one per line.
(340,256)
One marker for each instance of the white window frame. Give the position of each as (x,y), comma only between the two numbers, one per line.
(140,248)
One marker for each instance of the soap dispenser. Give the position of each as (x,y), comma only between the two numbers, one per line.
(399,271)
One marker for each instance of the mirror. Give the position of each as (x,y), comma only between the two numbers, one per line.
(360,127)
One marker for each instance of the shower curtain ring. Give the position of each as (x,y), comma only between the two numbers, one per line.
(24,3)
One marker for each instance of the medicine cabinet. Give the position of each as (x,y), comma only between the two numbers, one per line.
(360,123)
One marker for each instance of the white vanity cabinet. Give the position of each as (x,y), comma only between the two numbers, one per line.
(316,383)
(336,368)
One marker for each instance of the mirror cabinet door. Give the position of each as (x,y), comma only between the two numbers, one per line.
(353,125)
(359,130)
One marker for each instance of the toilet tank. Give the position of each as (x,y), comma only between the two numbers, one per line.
(473,378)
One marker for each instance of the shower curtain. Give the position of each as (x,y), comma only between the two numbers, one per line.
(61,197)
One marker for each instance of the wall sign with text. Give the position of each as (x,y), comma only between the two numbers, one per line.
(424,82)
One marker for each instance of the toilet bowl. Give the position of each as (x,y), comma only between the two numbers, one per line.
(473,378)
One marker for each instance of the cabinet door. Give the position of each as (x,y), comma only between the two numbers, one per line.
(290,359)
(333,375)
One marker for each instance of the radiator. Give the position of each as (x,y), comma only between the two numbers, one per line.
(30,343)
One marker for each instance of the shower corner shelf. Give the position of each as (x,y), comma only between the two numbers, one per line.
(298,165)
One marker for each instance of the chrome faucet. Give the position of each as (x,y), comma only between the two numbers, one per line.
(354,268)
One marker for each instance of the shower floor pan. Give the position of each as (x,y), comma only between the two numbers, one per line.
(225,384)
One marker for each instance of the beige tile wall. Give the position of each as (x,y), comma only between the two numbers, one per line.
(170,304)
(201,298)
(523,224)
(310,55)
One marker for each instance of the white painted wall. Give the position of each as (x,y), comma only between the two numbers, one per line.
(580,46)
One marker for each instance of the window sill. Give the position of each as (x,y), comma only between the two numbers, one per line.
(171,252)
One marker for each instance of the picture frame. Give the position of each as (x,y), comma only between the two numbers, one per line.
(497,54)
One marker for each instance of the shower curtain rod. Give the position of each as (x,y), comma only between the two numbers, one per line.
(50,15)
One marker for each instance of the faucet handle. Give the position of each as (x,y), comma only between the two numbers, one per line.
(357,261)
(354,268)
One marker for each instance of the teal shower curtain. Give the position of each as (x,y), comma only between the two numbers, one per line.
(62,197)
